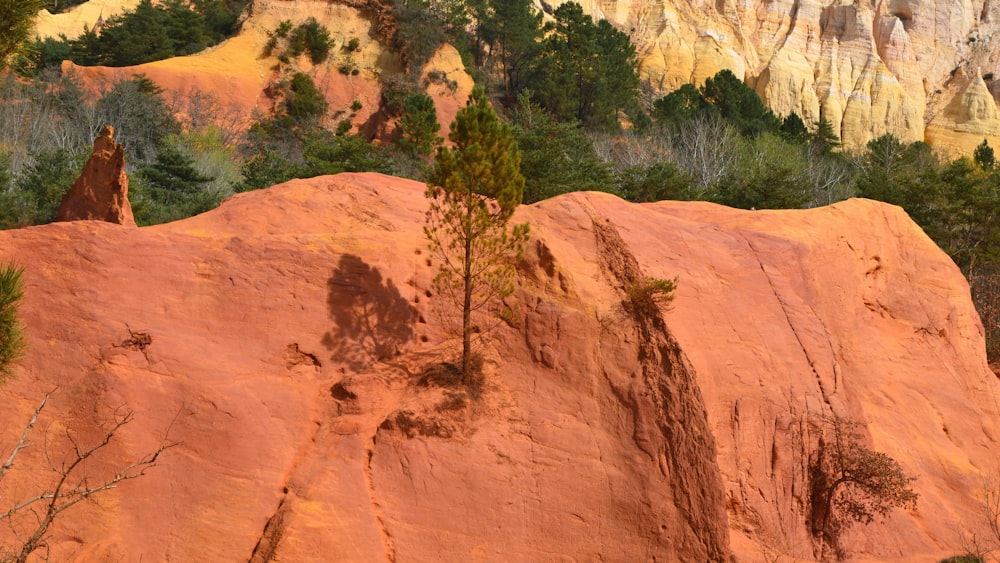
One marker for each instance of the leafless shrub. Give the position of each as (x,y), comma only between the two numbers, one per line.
(32,517)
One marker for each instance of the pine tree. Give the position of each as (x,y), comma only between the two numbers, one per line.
(419,125)
(512,29)
(11,339)
(984,156)
(473,190)
(17,22)
(585,71)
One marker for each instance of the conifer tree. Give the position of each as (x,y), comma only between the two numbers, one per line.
(11,338)
(473,189)
(17,21)
(418,126)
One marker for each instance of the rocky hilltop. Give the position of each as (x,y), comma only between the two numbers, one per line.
(920,69)
(284,341)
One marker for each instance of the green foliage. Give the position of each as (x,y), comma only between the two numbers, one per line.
(149,32)
(17,20)
(769,173)
(984,156)
(956,203)
(656,182)
(963,559)
(851,483)
(556,157)
(738,103)
(325,153)
(266,168)
(726,96)
(11,336)
(823,140)
(45,181)
(420,31)
(511,29)
(473,190)
(680,106)
(140,115)
(418,127)
(793,129)
(648,294)
(305,103)
(170,188)
(307,37)
(584,72)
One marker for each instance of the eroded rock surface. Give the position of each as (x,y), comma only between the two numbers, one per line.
(287,337)
(101,191)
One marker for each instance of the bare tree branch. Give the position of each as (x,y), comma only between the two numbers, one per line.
(71,487)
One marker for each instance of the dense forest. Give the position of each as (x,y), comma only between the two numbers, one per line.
(567,84)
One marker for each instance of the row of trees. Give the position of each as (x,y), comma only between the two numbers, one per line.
(149,32)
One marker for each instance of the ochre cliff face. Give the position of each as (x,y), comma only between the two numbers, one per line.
(289,332)
(868,66)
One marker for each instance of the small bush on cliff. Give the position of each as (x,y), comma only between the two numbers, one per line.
(288,41)
(649,293)
(851,483)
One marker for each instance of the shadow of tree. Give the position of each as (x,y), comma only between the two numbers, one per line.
(372,321)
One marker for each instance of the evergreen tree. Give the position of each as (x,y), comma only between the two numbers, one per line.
(326,153)
(556,157)
(305,103)
(681,105)
(511,29)
(473,190)
(739,103)
(17,22)
(418,126)
(585,72)
(984,156)
(11,338)
(793,129)
(171,188)
(45,181)
(823,140)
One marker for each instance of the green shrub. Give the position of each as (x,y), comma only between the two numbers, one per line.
(308,37)
(11,337)
(649,293)
(305,101)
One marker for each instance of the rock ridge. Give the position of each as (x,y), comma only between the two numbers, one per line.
(287,337)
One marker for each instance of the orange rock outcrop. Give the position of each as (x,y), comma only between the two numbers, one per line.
(286,338)
(101,191)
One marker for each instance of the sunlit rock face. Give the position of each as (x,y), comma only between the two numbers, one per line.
(290,341)
(869,67)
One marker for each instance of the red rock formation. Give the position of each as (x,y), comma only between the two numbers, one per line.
(289,332)
(101,191)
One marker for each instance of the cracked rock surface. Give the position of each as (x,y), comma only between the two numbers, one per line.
(291,341)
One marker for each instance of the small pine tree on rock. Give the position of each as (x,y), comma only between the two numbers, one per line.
(474,188)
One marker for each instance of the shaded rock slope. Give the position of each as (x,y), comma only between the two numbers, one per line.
(284,339)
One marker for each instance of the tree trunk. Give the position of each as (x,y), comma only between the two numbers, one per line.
(467,313)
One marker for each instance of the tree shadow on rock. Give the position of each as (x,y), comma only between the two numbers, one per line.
(372,321)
